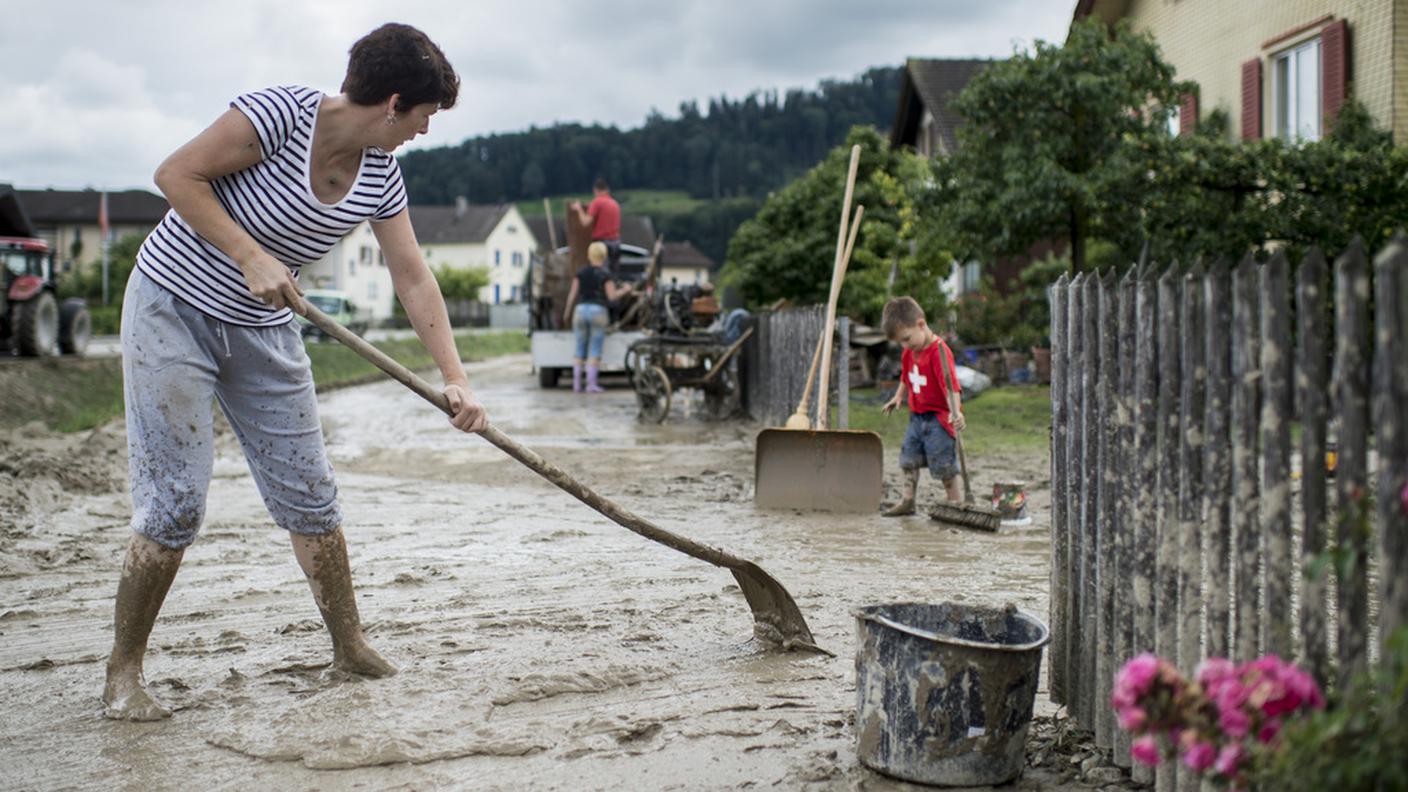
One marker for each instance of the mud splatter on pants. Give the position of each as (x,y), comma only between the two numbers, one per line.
(176,361)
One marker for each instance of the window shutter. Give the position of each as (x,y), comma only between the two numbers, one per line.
(1188,114)
(1334,69)
(1251,99)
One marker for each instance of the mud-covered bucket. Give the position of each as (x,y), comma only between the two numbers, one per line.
(944,693)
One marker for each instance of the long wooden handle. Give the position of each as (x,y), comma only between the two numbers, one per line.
(822,395)
(816,353)
(528,457)
(951,382)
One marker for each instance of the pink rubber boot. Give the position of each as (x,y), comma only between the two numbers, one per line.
(576,377)
(592,387)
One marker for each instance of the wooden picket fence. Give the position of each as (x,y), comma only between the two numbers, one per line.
(777,357)
(1182,523)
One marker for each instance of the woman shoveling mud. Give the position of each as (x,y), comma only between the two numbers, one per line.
(272,185)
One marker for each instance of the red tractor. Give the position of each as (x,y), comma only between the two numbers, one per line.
(32,320)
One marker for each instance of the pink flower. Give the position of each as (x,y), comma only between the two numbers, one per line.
(1145,750)
(1138,674)
(1403,498)
(1269,730)
(1235,722)
(1132,718)
(1214,670)
(1230,759)
(1200,756)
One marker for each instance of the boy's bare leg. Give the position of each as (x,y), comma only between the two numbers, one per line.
(147,572)
(324,562)
(951,487)
(906,504)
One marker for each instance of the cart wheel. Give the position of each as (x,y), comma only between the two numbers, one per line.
(721,397)
(653,394)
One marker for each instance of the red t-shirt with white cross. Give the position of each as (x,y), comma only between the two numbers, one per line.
(923,376)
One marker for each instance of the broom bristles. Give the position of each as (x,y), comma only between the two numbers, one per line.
(967,515)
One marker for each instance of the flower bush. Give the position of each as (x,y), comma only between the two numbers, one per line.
(1215,723)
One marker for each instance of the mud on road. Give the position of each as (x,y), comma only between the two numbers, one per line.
(540,645)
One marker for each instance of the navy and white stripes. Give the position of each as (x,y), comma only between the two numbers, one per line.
(274,202)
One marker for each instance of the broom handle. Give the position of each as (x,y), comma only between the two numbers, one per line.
(839,274)
(824,393)
(949,384)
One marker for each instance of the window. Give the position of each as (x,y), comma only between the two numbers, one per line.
(972,277)
(1174,121)
(351,266)
(371,289)
(517,258)
(1297,75)
(498,254)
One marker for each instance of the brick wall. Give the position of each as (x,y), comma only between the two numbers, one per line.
(1209,40)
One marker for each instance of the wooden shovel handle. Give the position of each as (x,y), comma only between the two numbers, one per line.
(527,456)
(822,394)
(816,354)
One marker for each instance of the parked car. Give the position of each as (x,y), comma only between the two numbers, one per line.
(336,304)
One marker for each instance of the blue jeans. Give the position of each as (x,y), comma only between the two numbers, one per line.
(928,444)
(589,327)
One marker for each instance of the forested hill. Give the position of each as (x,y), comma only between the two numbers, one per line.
(742,147)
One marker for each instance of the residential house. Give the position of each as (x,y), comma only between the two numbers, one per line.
(926,121)
(69,221)
(1278,67)
(355,265)
(467,235)
(685,264)
(14,220)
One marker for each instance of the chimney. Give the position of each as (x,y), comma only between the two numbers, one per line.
(461,206)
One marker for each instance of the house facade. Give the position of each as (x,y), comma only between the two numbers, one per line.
(464,236)
(355,265)
(69,221)
(685,264)
(1278,68)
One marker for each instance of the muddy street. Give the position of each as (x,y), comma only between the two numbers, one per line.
(540,645)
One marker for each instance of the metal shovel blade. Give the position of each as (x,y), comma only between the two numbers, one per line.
(837,470)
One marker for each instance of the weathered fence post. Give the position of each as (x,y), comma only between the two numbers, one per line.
(843,372)
(1060,524)
(1166,525)
(1312,387)
(1351,469)
(1090,506)
(1128,486)
(1245,506)
(1075,467)
(1105,519)
(1190,484)
(1276,453)
(1218,462)
(1146,392)
(1390,396)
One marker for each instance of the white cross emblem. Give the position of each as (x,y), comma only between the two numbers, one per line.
(917,380)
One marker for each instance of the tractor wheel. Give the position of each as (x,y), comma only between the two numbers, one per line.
(75,326)
(37,324)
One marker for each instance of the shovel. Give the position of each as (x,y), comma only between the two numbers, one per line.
(777,620)
(837,470)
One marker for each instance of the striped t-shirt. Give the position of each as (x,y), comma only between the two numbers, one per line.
(273,200)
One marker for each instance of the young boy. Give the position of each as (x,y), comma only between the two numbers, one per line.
(928,442)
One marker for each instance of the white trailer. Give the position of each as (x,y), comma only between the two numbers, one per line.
(554,350)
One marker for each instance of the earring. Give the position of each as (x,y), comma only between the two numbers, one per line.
(390,119)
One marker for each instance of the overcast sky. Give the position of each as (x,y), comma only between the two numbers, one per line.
(96,93)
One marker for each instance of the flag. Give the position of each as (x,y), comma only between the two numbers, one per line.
(103,217)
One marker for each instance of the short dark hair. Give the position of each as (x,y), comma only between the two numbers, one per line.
(600,184)
(899,313)
(399,59)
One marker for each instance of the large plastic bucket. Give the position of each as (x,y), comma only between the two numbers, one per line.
(944,693)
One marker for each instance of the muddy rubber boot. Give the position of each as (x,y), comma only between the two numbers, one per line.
(576,377)
(324,562)
(906,505)
(592,386)
(147,572)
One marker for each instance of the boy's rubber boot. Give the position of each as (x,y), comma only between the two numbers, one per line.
(576,377)
(906,505)
(592,386)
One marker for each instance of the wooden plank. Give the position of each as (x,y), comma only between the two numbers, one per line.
(1124,524)
(1146,393)
(1390,396)
(1090,505)
(1190,482)
(1351,469)
(1276,453)
(1217,465)
(1105,667)
(1075,467)
(1166,529)
(1246,528)
(1060,541)
(1312,389)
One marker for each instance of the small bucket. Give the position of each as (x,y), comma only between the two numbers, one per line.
(944,693)
(1009,499)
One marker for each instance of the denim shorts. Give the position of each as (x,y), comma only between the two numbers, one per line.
(589,327)
(928,444)
(176,363)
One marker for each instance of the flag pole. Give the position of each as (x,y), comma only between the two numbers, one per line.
(103,239)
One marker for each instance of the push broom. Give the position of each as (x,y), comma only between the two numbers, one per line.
(968,513)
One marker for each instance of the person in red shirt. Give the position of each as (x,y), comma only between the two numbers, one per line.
(929,439)
(603,216)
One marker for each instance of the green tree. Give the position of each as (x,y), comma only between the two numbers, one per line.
(1056,143)
(461,284)
(787,250)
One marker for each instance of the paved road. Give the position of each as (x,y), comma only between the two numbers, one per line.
(111,345)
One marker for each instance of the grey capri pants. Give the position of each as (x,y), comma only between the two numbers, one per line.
(175,362)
